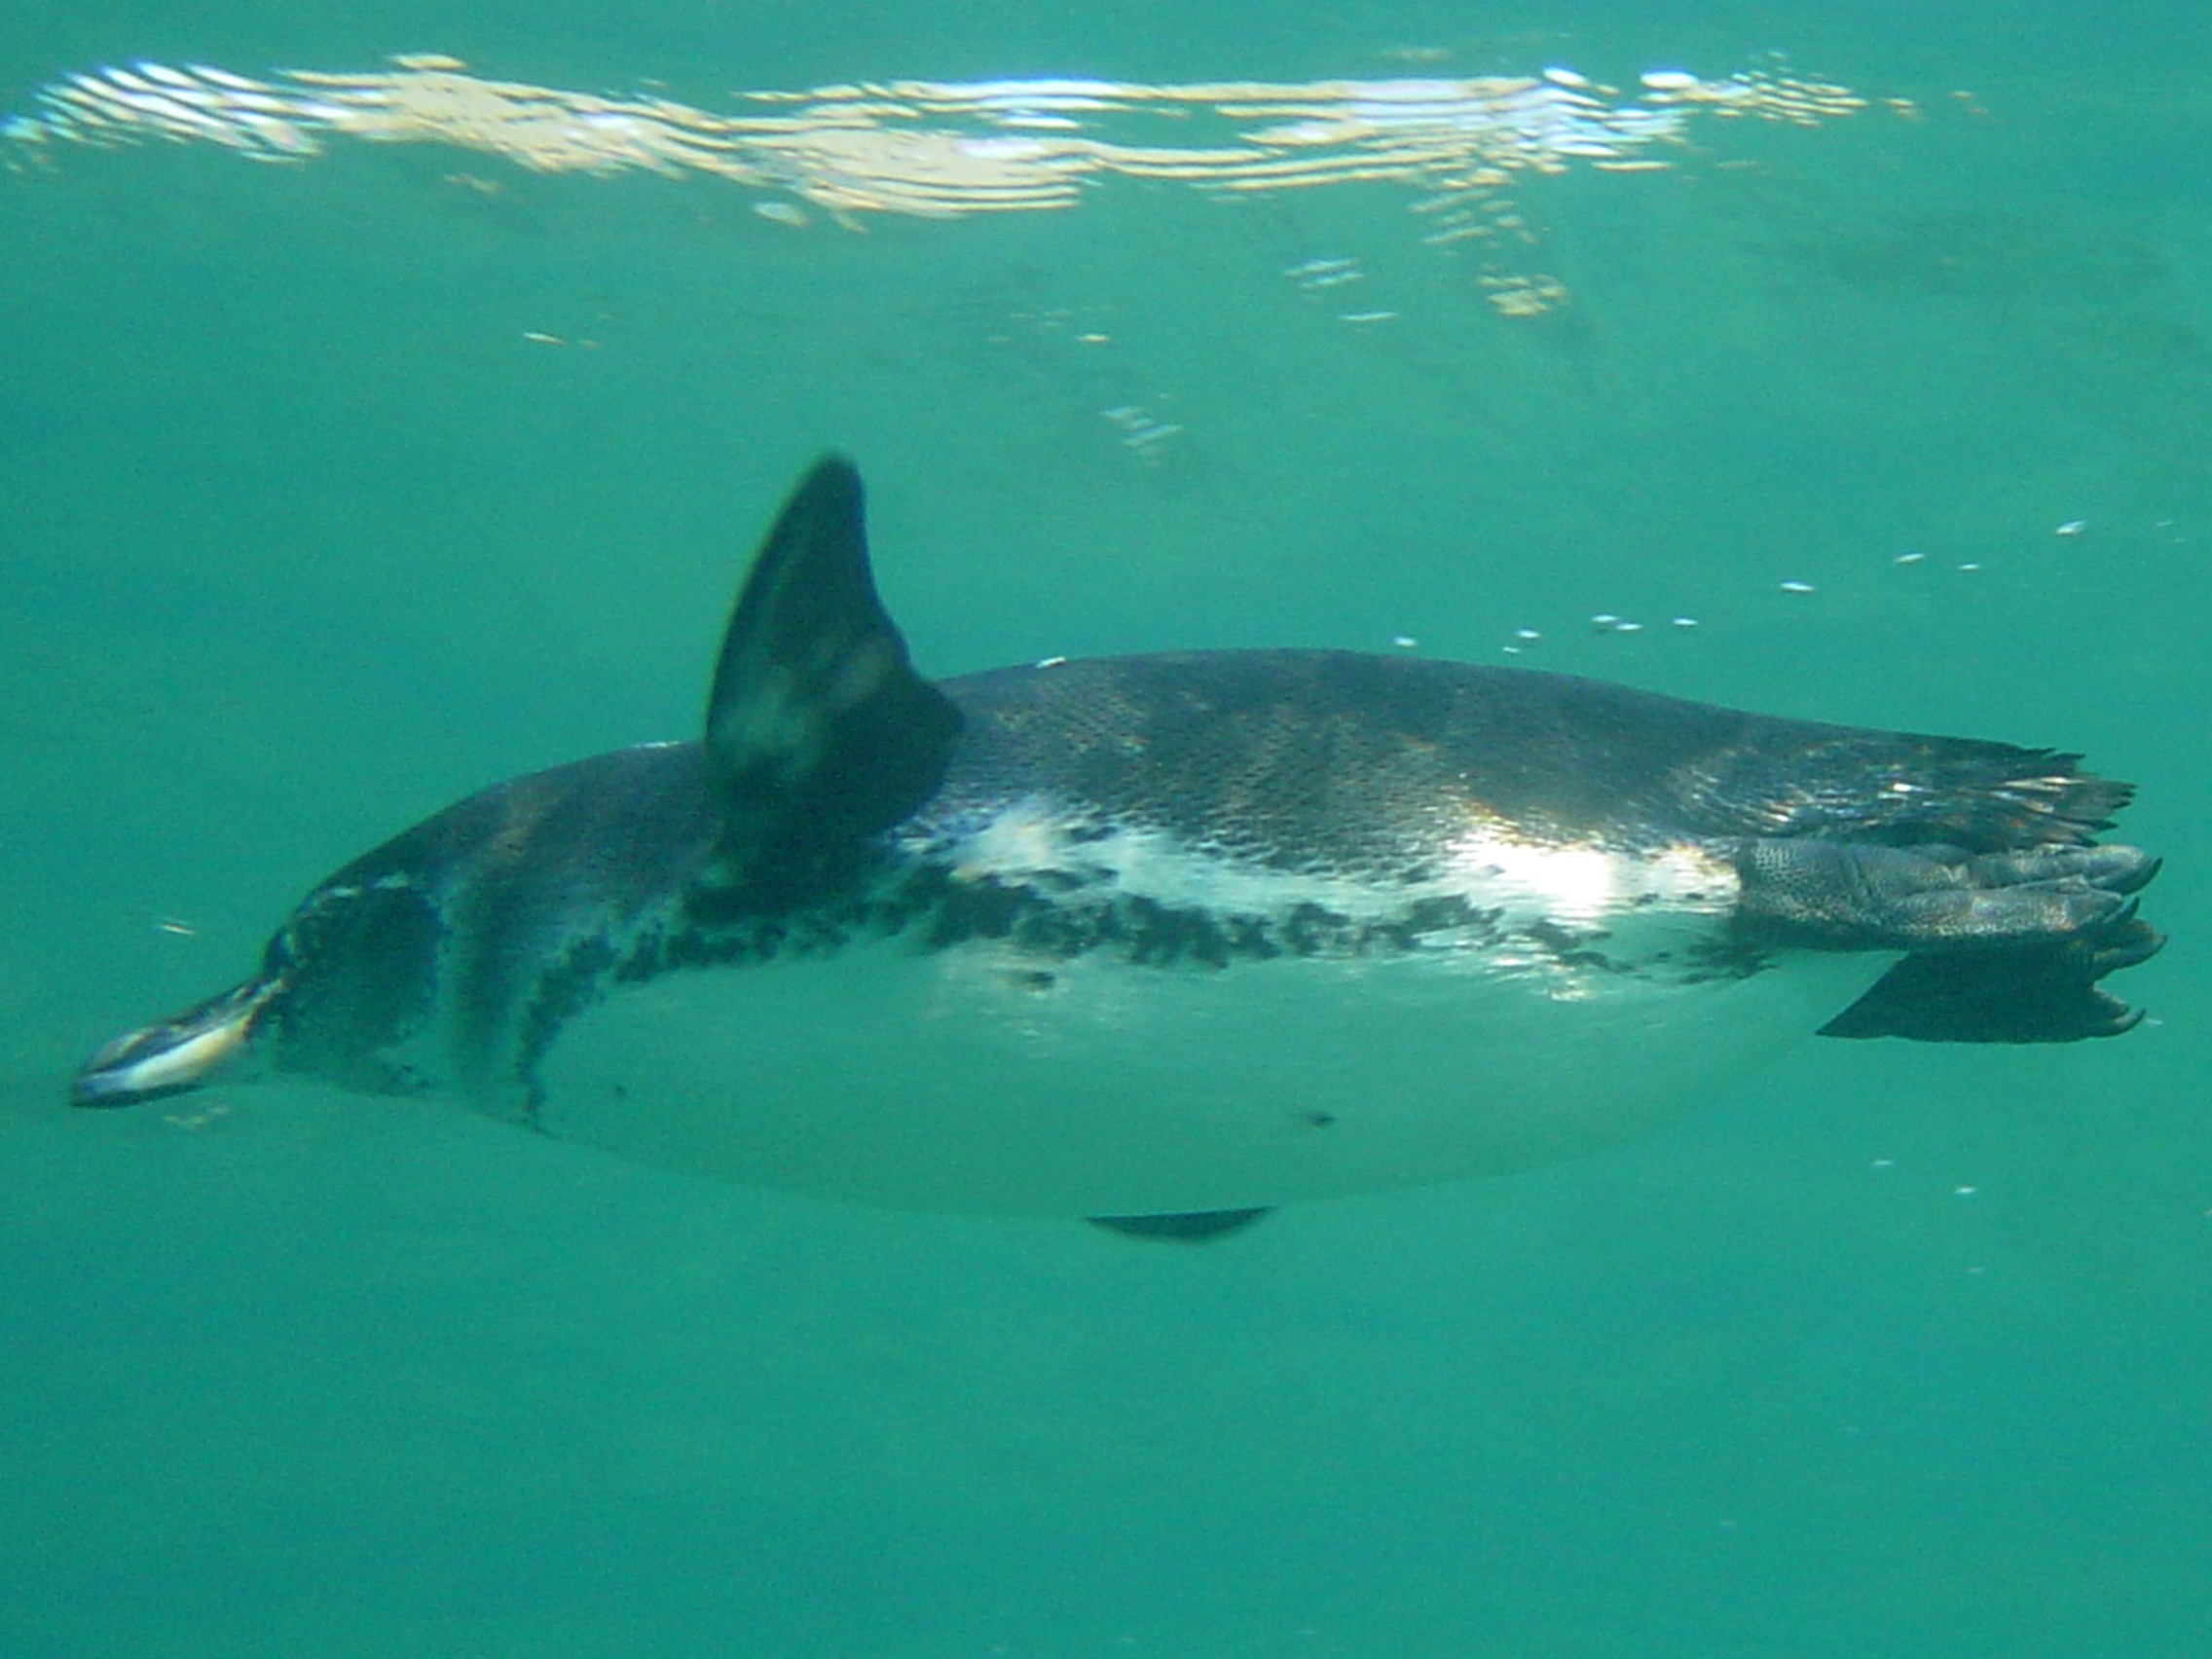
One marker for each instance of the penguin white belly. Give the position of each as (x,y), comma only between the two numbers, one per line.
(981,1079)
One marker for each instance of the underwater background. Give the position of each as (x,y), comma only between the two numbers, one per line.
(331,492)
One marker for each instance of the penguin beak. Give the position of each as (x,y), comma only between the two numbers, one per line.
(176,1055)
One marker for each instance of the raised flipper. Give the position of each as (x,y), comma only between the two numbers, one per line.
(820,734)
(1189,1227)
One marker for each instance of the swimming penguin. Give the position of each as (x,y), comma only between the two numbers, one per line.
(1165,940)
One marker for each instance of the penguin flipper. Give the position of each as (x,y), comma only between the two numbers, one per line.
(819,731)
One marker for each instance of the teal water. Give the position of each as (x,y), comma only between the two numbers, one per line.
(1895,1351)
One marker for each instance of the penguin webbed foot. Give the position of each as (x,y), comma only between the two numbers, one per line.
(2037,993)
(2001,948)
(1861,896)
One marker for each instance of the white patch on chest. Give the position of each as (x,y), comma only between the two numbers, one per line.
(1588,886)
(1569,885)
